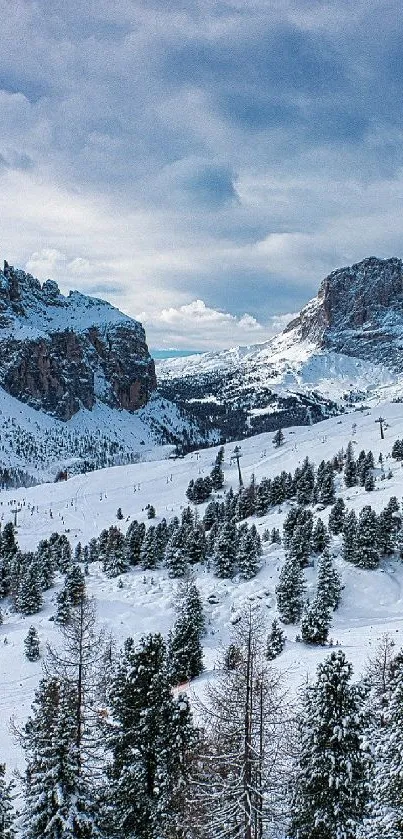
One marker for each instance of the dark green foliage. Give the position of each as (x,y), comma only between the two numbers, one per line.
(7,816)
(315,622)
(305,483)
(248,553)
(133,541)
(350,468)
(149,741)
(336,517)
(185,652)
(350,537)
(325,490)
(263,497)
(29,597)
(320,538)
(225,548)
(367,555)
(74,584)
(61,550)
(46,564)
(113,552)
(217,476)
(149,551)
(278,438)
(290,591)
(119,514)
(329,582)
(275,641)
(31,644)
(246,503)
(199,490)
(150,511)
(275,537)
(196,545)
(330,784)
(397,450)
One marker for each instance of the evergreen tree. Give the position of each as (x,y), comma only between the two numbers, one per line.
(386,532)
(114,553)
(336,517)
(7,819)
(329,586)
(149,550)
(326,491)
(275,537)
(57,801)
(397,450)
(305,484)
(275,641)
(278,438)
(225,546)
(290,591)
(315,622)
(150,511)
(350,467)
(75,584)
(248,554)
(320,538)
(133,542)
(330,790)
(217,476)
(63,607)
(367,555)
(46,564)
(149,742)
(196,545)
(185,652)
(350,537)
(369,483)
(31,645)
(385,819)
(263,497)
(8,550)
(29,597)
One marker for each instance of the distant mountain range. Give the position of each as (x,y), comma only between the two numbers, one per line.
(78,387)
(344,348)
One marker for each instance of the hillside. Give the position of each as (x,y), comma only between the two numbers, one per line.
(344,348)
(141,601)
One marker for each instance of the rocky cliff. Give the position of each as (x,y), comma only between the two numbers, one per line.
(358,312)
(59,354)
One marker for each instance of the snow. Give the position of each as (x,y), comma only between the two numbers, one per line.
(85,504)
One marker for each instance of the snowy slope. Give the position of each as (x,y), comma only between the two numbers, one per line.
(372,601)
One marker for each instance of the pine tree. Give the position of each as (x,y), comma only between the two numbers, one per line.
(29,598)
(7,819)
(263,497)
(330,789)
(149,550)
(275,641)
(315,622)
(320,538)
(350,537)
(150,511)
(305,484)
(350,467)
(248,554)
(278,438)
(329,586)
(149,742)
(326,493)
(336,517)
(185,651)
(8,550)
(290,591)
(63,607)
(58,803)
(46,564)
(217,476)
(133,542)
(367,531)
(386,782)
(75,584)
(114,553)
(196,545)
(225,547)
(31,644)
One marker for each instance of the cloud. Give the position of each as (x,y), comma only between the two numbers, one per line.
(233,153)
(197,326)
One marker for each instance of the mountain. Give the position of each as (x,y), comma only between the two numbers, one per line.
(77,385)
(345,347)
(59,353)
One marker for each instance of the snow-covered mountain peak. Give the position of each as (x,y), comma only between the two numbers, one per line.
(29,309)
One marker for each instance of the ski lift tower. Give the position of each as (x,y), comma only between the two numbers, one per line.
(235,457)
(381,422)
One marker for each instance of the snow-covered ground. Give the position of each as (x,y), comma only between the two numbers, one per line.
(372,601)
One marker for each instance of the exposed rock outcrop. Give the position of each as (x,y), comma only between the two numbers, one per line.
(61,353)
(358,312)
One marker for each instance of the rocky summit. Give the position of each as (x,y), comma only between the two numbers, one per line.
(358,312)
(59,354)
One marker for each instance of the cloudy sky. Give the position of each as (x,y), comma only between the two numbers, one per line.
(201,164)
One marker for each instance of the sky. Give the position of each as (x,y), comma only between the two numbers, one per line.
(201,164)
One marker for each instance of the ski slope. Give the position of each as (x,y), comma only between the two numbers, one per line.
(82,506)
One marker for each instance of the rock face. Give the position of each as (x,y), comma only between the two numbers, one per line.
(59,354)
(359,312)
